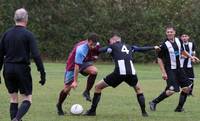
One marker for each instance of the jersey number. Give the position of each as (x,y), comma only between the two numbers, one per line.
(124,49)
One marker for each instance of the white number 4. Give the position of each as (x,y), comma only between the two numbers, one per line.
(124,49)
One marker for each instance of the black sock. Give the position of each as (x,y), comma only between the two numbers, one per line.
(23,109)
(90,81)
(141,101)
(95,101)
(13,110)
(62,97)
(161,97)
(182,99)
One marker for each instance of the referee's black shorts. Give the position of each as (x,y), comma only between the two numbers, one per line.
(18,78)
(115,79)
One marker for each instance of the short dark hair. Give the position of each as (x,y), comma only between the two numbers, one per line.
(170,27)
(93,37)
(114,33)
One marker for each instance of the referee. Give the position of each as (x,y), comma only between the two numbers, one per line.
(17,46)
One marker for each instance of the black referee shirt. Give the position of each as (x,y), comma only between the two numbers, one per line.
(17,46)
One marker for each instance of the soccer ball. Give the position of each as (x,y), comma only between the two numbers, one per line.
(76,109)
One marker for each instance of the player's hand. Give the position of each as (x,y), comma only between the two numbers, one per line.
(74,84)
(157,48)
(164,76)
(43,78)
(195,59)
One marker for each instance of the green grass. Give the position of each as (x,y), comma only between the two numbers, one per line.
(119,104)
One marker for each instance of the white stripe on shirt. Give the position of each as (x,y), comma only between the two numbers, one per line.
(122,68)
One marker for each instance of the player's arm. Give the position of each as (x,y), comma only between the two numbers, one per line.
(162,68)
(193,58)
(194,52)
(160,57)
(185,54)
(1,54)
(144,49)
(76,71)
(37,59)
(106,49)
(79,58)
(193,49)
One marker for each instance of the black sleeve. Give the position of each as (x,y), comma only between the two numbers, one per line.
(2,51)
(193,46)
(182,48)
(103,49)
(142,49)
(35,54)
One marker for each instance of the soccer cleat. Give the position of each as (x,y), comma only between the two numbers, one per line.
(152,106)
(89,113)
(60,110)
(145,114)
(179,110)
(86,95)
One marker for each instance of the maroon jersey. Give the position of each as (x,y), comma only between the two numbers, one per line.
(71,58)
(92,55)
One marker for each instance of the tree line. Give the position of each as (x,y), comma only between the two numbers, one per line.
(59,24)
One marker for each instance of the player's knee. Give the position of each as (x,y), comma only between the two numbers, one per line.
(186,89)
(27,98)
(94,72)
(138,89)
(97,88)
(169,92)
(14,99)
(66,89)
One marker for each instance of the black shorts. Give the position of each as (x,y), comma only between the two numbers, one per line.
(18,78)
(115,79)
(189,72)
(177,78)
(84,66)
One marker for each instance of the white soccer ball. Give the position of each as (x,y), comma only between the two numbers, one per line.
(76,109)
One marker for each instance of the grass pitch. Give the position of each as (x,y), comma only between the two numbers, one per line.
(119,104)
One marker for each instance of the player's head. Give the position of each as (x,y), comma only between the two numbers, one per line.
(92,40)
(170,32)
(21,16)
(185,37)
(115,37)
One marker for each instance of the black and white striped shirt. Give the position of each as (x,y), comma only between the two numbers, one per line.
(171,53)
(190,48)
(122,56)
